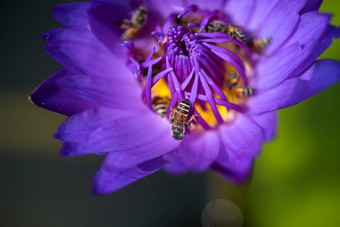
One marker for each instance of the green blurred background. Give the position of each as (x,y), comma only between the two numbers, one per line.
(296,180)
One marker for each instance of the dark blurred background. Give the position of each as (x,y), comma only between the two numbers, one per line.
(296,181)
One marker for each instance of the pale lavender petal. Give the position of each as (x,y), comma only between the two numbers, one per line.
(313,36)
(318,77)
(197,152)
(242,136)
(268,122)
(283,18)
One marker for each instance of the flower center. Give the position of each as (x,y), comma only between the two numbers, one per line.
(201,58)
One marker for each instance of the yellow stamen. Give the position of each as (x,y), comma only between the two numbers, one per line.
(161,89)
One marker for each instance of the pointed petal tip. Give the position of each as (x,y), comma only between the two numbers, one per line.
(237,172)
(99,191)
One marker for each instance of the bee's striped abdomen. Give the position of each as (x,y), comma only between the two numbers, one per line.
(244,92)
(159,105)
(240,36)
(184,107)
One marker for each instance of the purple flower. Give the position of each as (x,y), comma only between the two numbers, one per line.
(128,64)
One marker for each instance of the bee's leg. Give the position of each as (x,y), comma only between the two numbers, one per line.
(187,123)
(231,35)
(171,117)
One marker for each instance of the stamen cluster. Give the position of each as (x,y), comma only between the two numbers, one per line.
(198,64)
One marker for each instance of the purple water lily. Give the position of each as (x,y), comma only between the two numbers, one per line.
(236,62)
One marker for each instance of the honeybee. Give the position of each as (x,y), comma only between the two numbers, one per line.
(233,80)
(231,30)
(159,105)
(134,25)
(178,118)
(258,45)
(233,83)
(243,92)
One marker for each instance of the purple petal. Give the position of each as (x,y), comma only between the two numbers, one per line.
(164,7)
(312,37)
(105,18)
(280,22)
(321,75)
(268,122)
(132,136)
(311,5)
(154,141)
(80,34)
(273,70)
(240,11)
(50,96)
(176,168)
(235,170)
(82,58)
(113,2)
(312,26)
(104,21)
(72,14)
(197,152)
(77,127)
(109,179)
(207,5)
(242,136)
(260,11)
(103,91)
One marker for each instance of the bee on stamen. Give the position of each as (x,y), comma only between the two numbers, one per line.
(240,92)
(243,92)
(160,104)
(135,24)
(259,45)
(231,30)
(178,119)
(233,80)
